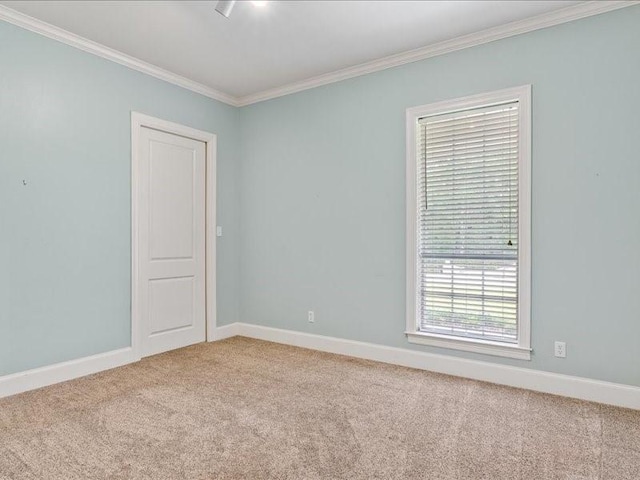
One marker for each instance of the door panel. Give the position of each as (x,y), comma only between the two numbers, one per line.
(171,201)
(171,241)
(171,303)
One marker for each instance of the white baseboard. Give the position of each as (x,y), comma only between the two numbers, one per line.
(569,386)
(61,372)
(227,331)
(566,385)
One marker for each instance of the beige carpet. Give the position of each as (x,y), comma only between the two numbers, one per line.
(246,409)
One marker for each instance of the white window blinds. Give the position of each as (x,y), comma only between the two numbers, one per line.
(467,269)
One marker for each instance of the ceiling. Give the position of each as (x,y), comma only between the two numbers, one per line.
(284,42)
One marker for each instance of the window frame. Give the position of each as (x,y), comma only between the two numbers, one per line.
(521,350)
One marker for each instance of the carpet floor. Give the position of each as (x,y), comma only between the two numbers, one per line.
(247,409)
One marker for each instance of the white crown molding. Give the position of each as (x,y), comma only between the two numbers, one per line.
(550,19)
(51,31)
(588,389)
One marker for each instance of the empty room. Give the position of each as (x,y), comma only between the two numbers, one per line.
(312,240)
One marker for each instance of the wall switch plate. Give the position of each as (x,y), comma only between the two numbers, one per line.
(561,349)
(312,317)
(218,231)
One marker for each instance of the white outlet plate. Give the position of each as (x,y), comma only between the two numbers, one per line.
(560,349)
(312,317)
(218,231)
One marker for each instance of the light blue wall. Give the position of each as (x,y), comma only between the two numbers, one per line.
(65,236)
(323,187)
(311,196)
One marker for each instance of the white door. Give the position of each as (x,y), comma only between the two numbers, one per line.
(171,241)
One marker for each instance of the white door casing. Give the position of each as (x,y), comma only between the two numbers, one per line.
(173,254)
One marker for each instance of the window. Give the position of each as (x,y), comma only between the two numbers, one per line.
(468,223)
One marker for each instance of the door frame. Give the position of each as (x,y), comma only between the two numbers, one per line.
(139,120)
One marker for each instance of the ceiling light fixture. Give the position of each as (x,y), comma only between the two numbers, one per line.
(224,7)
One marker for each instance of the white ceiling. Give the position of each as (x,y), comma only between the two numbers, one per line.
(258,49)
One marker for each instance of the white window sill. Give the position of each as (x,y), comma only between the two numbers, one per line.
(470,345)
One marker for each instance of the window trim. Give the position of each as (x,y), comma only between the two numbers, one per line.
(522,350)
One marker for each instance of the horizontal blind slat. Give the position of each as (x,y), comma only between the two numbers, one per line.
(506,128)
(468,222)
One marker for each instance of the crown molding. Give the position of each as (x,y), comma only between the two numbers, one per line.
(51,31)
(550,19)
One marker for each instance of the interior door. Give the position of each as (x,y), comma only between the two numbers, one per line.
(171,241)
